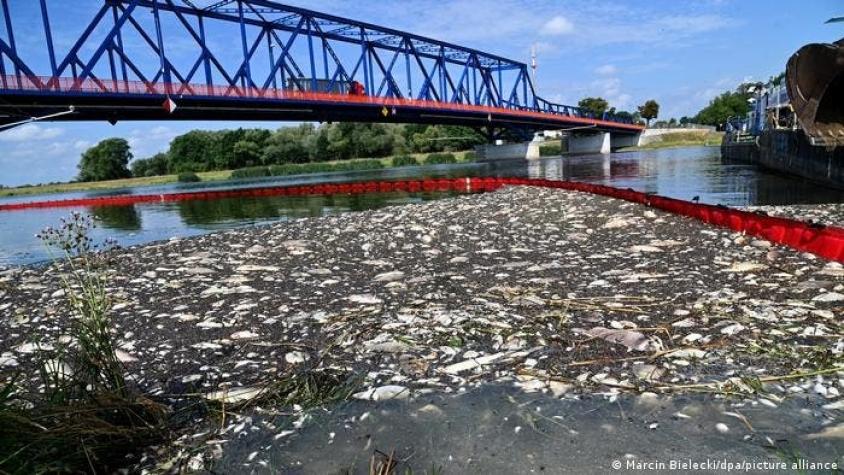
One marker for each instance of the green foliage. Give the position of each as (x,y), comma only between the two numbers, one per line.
(188,177)
(596,105)
(245,154)
(350,140)
(551,150)
(777,80)
(201,151)
(86,419)
(625,115)
(194,151)
(440,159)
(290,145)
(304,168)
(470,156)
(251,172)
(404,161)
(324,167)
(108,160)
(721,108)
(649,110)
(444,138)
(154,166)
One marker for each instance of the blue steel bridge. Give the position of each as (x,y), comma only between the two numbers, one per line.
(256,60)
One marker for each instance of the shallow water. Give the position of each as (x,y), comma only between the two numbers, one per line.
(683,173)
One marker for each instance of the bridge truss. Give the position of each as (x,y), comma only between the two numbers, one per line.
(255,59)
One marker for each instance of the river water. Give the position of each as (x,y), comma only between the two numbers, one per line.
(684,173)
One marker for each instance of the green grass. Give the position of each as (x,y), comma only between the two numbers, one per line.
(551,149)
(109,184)
(86,418)
(440,159)
(683,139)
(188,177)
(404,161)
(306,168)
(275,170)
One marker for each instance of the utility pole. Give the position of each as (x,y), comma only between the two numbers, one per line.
(533,65)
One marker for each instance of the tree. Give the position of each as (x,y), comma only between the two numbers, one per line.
(289,145)
(245,153)
(195,151)
(721,108)
(108,160)
(649,110)
(153,166)
(595,105)
(624,115)
(140,167)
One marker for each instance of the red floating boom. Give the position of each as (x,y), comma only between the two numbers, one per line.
(823,241)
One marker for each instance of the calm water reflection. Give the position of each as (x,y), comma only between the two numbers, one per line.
(681,173)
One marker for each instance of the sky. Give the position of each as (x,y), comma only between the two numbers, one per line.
(680,53)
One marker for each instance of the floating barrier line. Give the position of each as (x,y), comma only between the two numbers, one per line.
(823,241)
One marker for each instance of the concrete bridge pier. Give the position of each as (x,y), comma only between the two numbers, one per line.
(573,143)
(523,150)
(599,142)
(618,141)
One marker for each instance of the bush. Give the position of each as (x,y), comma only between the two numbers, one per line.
(550,150)
(85,418)
(440,158)
(358,165)
(404,161)
(251,172)
(323,167)
(470,156)
(188,177)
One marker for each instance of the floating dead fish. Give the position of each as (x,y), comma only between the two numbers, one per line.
(629,338)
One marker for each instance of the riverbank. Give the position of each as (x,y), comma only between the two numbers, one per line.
(219,175)
(690,138)
(545,290)
(108,184)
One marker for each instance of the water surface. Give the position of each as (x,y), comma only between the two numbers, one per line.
(684,173)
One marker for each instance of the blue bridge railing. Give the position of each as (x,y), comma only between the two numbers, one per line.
(251,45)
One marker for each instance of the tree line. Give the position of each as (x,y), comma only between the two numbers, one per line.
(598,106)
(203,150)
(199,150)
(735,103)
(729,104)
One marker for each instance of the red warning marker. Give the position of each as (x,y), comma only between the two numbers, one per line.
(169,105)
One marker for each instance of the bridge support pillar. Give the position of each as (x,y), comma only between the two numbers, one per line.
(618,141)
(524,150)
(589,143)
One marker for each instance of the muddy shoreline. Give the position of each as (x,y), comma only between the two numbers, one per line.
(552,291)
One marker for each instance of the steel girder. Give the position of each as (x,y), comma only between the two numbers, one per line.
(279,46)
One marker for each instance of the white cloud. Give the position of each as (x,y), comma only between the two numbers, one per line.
(606,70)
(559,25)
(607,86)
(543,47)
(29,133)
(81,145)
(690,24)
(147,142)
